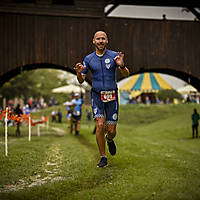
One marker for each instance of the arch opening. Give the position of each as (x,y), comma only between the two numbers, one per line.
(6,77)
(66,76)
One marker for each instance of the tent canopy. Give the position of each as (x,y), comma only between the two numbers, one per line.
(187,89)
(68,89)
(145,83)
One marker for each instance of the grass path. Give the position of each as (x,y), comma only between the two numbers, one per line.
(48,172)
(156,159)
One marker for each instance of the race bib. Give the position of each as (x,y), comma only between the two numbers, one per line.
(76,112)
(107,96)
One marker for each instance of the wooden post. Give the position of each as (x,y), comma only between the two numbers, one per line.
(6,133)
(29,133)
(38,130)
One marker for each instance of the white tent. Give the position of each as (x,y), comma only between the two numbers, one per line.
(187,89)
(68,89)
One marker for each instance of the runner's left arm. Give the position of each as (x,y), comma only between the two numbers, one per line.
(119,60)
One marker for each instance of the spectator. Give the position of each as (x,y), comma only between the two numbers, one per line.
(89,116)
(53,101)
(11,103)
(30,102)
(19,113)
(59,114)
(195,123)
(26,109)
(53,116)
(41,102)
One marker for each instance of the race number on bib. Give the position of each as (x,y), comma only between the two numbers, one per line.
(76,112)
(107,95)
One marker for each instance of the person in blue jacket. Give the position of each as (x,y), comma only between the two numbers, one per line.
(103,64)
(76,113)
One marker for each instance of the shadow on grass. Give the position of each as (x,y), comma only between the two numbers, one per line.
(189,138)
(91,147)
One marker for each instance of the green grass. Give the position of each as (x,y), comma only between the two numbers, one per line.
(156,159)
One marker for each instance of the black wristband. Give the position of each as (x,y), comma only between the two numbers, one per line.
(123,67)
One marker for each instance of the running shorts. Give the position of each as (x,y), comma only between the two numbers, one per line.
(108,110)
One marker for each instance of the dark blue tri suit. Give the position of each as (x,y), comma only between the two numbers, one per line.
(103,71)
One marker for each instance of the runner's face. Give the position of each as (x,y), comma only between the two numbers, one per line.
(100,41)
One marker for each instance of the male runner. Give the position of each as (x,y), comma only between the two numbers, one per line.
(77,111)
(103,64)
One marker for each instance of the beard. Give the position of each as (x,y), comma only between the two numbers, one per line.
(101,47)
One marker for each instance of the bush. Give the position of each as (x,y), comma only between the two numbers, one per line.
(168,94)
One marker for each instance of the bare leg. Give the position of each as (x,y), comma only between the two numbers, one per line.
(111,132)
(71,127)
(78,125)
(111,129)
(100,138)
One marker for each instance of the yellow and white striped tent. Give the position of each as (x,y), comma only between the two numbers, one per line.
(148,82)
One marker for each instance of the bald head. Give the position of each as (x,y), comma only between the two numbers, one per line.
(100,41)
(100,33)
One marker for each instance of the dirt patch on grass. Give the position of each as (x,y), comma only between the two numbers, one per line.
(49,172)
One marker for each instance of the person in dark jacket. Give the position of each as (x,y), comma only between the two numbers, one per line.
(195,123)
(18,111)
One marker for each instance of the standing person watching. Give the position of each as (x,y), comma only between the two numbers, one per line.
(103,64)
(18,111)
(195,123)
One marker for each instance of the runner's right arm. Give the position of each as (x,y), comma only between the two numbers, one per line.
(79,68)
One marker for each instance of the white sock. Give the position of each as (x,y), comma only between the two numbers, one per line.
(104,156)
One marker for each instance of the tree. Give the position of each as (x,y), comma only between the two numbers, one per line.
(171,94)
(34,83)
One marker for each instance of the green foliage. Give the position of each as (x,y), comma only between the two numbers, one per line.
(19,86)
(170,94)
(34,83)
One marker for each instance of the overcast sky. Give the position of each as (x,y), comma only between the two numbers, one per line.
(174,13)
